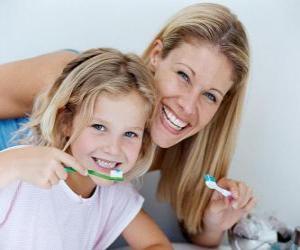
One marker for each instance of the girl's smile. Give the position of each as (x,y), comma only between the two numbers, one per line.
(106,165)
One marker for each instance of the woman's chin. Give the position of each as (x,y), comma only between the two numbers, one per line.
(162,140)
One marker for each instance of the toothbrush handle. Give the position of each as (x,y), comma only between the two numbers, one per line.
(223,191)
(92,172)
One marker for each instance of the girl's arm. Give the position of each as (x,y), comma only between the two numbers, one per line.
(143,233)
(21,81)
(40,166)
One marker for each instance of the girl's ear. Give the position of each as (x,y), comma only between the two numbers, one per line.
(155,55)
(65,117)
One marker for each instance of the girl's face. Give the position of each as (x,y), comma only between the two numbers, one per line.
(114,137)
(191,81)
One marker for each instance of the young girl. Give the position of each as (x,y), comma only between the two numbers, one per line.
(98,111)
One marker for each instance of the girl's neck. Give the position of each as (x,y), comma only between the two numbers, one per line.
(81,185)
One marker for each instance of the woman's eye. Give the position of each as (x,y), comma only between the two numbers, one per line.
(184,76)
(210,96)
(98,127)
(130,134)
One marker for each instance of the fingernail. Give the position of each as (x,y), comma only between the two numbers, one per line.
(230,198)
(235,205)
(235,195)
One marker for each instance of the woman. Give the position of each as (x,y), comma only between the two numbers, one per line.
(200,61)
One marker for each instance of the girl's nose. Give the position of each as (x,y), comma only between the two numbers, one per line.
(112,146)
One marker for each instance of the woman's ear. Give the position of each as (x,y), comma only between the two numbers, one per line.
(155,55)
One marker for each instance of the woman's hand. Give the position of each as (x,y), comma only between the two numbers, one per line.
(222,213)
(40,166)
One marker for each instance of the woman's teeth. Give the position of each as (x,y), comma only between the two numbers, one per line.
(174,121)
(106,164)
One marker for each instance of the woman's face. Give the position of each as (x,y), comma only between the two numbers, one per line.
(192,82)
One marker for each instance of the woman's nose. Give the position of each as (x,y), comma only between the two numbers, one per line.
(188,102)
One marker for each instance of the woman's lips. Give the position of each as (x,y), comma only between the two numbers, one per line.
(171,122)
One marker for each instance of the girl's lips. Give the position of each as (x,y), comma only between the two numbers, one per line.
(106,169)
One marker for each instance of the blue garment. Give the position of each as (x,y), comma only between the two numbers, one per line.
(9,126)
(7,129)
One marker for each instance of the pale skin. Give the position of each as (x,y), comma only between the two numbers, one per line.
(192,81)
(114,135)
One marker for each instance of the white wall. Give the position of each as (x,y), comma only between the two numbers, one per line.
(267,156)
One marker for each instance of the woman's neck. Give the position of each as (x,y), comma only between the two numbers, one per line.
(158,159)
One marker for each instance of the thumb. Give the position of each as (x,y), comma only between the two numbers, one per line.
(217,206)
(70,161)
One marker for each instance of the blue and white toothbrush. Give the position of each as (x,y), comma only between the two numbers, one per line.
(210,182)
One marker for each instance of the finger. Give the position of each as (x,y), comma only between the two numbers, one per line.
(243,195)
(216,196)
(60,172)
(247,197)
(53,179)
(70,161)
(45,184)
(217,206)
(230,185)
(250,205)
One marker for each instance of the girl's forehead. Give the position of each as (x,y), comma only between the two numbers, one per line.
(126,106)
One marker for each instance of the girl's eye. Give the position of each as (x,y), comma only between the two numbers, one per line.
(98,127)
(210,96)
(184,76)
(130,134)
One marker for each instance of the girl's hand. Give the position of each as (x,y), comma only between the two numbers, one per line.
(222,213)
(40,166)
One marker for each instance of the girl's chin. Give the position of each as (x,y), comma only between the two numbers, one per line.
(102,182)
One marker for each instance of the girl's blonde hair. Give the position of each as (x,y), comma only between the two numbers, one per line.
(92,73)
(209,151)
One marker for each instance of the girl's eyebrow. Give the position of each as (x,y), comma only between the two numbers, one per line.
(97,119)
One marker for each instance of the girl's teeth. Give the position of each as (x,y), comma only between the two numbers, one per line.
(106,164)
(173,120)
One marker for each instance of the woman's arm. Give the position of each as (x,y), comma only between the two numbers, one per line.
(223,212)
(208,239)
(21,81)
(143,233)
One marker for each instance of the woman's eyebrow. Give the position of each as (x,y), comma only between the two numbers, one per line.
(193,72)
(219,91)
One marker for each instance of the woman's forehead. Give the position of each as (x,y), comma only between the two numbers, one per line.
(205,62)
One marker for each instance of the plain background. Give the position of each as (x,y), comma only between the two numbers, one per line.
(268,150)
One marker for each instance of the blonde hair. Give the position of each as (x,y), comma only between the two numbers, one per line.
(210,150)
(91,74)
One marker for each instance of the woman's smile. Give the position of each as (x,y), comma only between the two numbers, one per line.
(189,82)
(171,121)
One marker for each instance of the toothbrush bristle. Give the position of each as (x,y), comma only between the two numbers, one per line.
(208,177)
(116,173)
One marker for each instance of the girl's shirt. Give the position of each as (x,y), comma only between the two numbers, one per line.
(57,218)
